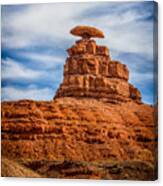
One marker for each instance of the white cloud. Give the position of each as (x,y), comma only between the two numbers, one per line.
(124,33)
(43,60)
(11,69)
(41,22)
(50,23)
(141,78)
(32,92)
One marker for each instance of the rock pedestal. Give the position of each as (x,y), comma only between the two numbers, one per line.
(89,71)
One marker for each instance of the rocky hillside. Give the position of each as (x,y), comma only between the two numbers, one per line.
(96,126)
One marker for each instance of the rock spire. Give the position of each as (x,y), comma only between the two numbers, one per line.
(90,72)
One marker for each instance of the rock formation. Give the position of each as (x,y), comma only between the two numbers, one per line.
(90,72)
(87,32)
(96,126)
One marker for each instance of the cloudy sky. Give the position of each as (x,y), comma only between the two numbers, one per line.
(35,38)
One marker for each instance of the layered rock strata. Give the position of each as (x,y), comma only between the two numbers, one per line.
(72,129)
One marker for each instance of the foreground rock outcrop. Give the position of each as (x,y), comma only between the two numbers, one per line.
(96,126)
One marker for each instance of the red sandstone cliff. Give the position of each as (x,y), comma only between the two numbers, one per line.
(96,126)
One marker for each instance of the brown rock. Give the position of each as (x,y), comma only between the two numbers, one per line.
(118,70)
(87,32)
(76,50)
(91,130)
(134,93)
(102,50)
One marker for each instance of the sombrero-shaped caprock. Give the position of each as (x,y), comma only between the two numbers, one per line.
(87,32)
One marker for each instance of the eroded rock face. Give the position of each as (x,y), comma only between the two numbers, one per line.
(90,72)
(81,131)
(78,129)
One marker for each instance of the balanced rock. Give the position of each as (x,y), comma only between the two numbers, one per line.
(89,71)
(87,32)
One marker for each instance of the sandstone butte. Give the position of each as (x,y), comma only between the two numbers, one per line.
(95,127)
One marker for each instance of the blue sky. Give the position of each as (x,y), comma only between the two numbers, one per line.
(35,38)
